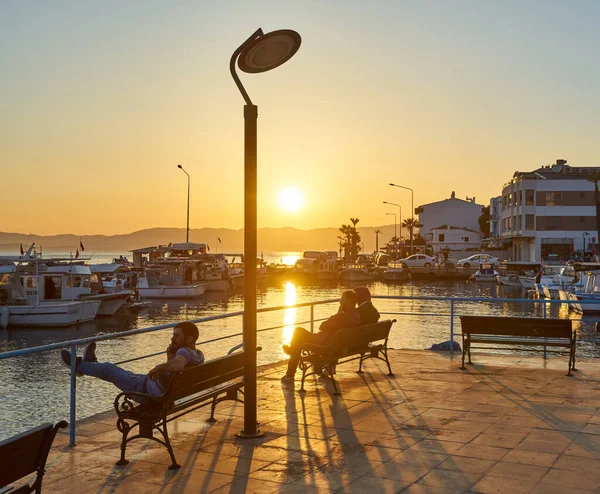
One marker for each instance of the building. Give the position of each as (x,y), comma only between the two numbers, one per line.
(452,238)
(453,211)
(550,212)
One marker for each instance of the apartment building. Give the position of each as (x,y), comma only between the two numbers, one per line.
(453,211)
(549,212)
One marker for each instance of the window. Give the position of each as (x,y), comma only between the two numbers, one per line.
(529,221)
(553,222)
(441,237)
(581,219)
(466,239)
(582,195)
(553,198)
(529,197)
(31,282)
(510,199)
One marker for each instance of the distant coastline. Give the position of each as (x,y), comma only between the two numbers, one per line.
(285,239)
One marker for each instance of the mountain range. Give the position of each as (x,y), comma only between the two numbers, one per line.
(285,239)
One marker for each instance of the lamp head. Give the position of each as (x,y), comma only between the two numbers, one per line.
(179,166)
(269,51)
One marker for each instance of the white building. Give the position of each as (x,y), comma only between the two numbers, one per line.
(549,212)
(453,211)
(453,238)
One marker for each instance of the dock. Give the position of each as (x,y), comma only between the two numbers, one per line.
(509,423)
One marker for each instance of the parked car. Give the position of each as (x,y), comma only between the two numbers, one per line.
(476,260)
(418,261)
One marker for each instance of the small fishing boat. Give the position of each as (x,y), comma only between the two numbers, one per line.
(357,272)
(486,273)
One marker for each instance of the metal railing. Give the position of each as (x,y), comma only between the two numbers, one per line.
(451,314)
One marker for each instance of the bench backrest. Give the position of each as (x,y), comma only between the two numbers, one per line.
(24,453)
(346,340)
(207,375)
(517,326)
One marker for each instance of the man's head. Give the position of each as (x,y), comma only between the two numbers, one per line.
(185,334)
(348,300)
(362,294)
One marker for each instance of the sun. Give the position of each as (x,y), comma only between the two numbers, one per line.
(291,199)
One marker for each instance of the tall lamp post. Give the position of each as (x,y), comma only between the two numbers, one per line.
(395,233)
(187,231)
(399,216)
(412,213)
(259,53)
(585,234)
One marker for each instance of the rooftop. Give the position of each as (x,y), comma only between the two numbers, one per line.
(509,423)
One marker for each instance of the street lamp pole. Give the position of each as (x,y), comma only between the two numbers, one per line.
(395,234)
(585,234)
(412,213)
(187,231)
(259,53)
(400,216)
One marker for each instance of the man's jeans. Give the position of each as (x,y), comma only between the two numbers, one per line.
(122,379)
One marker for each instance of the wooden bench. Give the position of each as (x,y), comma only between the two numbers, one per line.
(25,454)
(517,331)
(361,343)
(195,387)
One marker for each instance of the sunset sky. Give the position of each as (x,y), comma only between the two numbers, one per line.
(99,102)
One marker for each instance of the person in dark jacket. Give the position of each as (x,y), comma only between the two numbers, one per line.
(368,313)
(347,317)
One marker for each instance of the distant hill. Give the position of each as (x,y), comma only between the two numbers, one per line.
(269,239)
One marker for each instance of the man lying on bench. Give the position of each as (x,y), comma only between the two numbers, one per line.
(181,353)
(346,317)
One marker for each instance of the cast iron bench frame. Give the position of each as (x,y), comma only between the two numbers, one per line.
(195,387)
(358,343)
(517,331)
(25,454)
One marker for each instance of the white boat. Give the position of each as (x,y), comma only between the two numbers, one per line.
(155,283)
(356,272)
(590,293)
(394,272)
(485,273)
(510,279)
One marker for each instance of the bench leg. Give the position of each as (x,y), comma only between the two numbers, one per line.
(362,359)
(174,465)
(469,351)
(387,361)
(124,428)
(464,350)
(336,388)
(212,418)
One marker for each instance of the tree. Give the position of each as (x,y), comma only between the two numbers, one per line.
(352,238)
(595,178)
(411,224)
(484,222)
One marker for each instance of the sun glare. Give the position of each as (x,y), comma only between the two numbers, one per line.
(291,199)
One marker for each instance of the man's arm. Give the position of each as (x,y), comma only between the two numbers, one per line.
(176,364)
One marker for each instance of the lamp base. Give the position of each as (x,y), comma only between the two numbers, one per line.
(243,435)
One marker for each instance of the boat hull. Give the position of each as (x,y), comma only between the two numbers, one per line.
(52,314)
(173,292)
(110,303)
(217,286)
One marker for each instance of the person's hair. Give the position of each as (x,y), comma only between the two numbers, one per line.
(189,330)
(351,295)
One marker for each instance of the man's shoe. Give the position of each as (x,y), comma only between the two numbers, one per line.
(65,356)
(89,352)
(286,349)
(287,379)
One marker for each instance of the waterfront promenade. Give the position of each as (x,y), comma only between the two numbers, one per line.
(508,424)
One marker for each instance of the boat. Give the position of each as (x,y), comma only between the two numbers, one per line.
(394,272)
(357,272)
(25,305)
(589,294)
(165,282)
(485,273)
(510,273)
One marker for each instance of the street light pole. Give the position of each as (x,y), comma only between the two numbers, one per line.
(400,216)
(395,234)
(259,53)
(585,234)
(412,214)
(187,231)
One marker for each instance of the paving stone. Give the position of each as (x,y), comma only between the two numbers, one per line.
(499,485)
(572,479)
(518,471)
(527,457)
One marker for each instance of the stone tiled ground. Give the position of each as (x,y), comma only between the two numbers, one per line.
(507,424)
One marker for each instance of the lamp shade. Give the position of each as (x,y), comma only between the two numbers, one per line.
(269,51)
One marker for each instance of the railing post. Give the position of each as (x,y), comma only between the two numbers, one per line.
(451,325)
(312,318)
(72,416)
(545,315)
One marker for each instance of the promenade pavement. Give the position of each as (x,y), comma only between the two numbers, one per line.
(509,423)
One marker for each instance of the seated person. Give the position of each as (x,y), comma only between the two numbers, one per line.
(347,317)
(181,353)
(368,313)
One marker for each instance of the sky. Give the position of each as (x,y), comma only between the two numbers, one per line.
(100,101)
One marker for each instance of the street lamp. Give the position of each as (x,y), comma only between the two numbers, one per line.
(585,234)
(400,216)
(187,232)
(259,53)
(412,213)
(395,233)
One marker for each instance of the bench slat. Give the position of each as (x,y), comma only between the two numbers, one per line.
(517,326)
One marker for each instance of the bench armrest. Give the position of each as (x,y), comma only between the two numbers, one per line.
(128,400)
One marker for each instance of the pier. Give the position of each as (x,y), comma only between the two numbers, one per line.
(510,423)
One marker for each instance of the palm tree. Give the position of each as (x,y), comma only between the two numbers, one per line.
(411,224)
(595,178)
(346,231)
